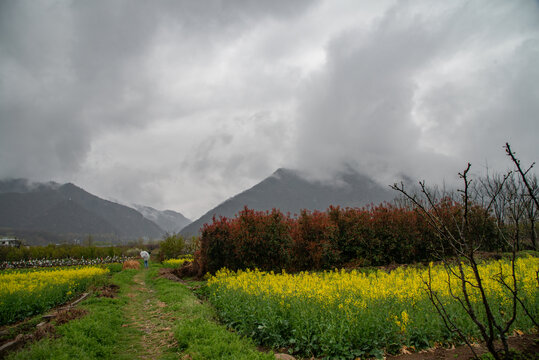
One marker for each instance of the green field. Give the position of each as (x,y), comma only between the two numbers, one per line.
(330,315)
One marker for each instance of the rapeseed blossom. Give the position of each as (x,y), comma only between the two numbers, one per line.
(338,313)
(404,284)
(27,282)
(24,293)
(174,263)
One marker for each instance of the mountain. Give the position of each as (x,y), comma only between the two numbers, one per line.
(168,220)
(67,209)
(290,192)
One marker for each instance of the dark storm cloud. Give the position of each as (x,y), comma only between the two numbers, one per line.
(424,90)
(73,70)
(360,108)
(53,93)
(183,104)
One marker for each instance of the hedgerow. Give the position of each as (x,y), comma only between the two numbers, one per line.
(316,240)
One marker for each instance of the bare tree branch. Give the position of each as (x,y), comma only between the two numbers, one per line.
(516,161)
(456,228)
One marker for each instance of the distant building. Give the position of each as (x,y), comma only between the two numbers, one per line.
(10,242)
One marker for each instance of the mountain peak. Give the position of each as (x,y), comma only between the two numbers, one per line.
(71,187)
(65,210)
(290,191)
(169,220)
(282,171)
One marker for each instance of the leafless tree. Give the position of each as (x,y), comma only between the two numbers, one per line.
(516,206)
(465,241)
(488,187)
(532,211)
(523,174)
(513,208)
(530,183)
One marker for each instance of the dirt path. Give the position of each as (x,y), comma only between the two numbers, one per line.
(150,316)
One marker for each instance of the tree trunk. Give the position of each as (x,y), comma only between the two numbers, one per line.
(517,234)
(533,234)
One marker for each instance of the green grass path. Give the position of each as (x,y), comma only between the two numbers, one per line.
(151,318)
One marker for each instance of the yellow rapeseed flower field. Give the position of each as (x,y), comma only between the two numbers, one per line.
(403,284)
(24,293)
(363,310)
(174,263)
(35,281)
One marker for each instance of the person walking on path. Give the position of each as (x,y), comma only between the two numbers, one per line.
(146,256)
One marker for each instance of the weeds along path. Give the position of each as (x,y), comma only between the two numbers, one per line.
(144,312)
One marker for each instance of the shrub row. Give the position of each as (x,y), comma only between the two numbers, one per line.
(375,235)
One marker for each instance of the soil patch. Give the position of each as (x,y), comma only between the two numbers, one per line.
(526,345)
(189,269)
(38,333)
(47,330)
(67,315)
(16,336)
(8,332)
(27,332)
(109,291)
(169,274)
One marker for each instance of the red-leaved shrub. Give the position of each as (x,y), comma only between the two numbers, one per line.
(374,235)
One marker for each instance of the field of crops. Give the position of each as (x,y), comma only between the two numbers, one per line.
(175,263)
(28,292)
(39,263)
(353,314)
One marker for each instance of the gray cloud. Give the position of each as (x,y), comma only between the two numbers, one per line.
(182,104)
(72,70)
(423,91)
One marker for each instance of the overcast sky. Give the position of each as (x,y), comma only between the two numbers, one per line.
(183,104)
